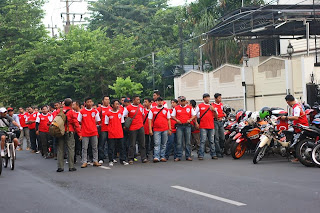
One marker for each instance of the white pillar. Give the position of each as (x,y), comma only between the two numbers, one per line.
(244,88)
(289,79)
(206,82)
(303,80)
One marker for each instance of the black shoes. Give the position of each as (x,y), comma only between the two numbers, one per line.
(72,169)
(60,170)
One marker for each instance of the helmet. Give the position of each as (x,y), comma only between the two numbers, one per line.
(254,118)
(247,115)
(317,116)
(2,109)
(316,121)
(227,109)
(264,112)
(239,116)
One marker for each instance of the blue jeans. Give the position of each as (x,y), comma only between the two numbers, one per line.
(171,145)
(186,132)
(102,144)
(204,133)
(219,136)
(160,142)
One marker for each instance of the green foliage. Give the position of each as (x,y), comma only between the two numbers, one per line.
(126,87)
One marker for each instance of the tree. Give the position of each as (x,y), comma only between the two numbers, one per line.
(20,30)
(126,87)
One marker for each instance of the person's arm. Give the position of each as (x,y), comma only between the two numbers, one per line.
(97,117)
(174,113)
(150,117)
(193,116)
(296,115)
(75,122)
(106,120)
(169,123)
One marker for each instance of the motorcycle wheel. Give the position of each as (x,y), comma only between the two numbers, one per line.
(227,146)
(304,150)
(238,150)
(259,154)
(11,157)
(316,155)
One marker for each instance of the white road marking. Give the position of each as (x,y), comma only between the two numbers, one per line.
(209,196)
(104,167)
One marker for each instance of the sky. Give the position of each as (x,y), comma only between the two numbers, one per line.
(54,8)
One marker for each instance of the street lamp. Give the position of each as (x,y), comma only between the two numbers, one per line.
(246,59)
(290,50)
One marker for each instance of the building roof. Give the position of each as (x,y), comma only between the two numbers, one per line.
(269,21)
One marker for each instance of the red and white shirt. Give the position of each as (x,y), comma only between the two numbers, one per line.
(89,119)
(32,117)
(183,114)
(161,123)
(207,121)
(22,119)
(130,111)
(44,120)
(102,112)
(145,120)
(173,122)
(219,109)
(298,112)
(114,121)
(154,104)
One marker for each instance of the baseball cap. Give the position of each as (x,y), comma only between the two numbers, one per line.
(182,98)
(10,109)
(205,95)
(127,100)
(2,110)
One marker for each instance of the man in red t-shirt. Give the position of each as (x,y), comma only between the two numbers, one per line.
(102,144)
(218,125)
(298,115)
(156,94)
(206,113)
(25,131)
(136,129)
(89,117)
(78,142)
(148,138)
(114,119)
(31,123)
(42,128)
(159,127)
(172,139)
(183,114)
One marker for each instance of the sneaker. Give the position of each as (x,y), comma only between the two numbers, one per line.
(214,157)
(110,163)
(115,161)
(200,158)
(101,161)
(2,153)
(96,164)
(125,163)
(135,159)
(20,149)
(131,162)
(156,160)
(84,165)
(37,152)
(163,160)
(67,162)
(28,149)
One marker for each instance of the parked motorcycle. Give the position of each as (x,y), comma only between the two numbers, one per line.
(231,128)
(248,136)
(272,141)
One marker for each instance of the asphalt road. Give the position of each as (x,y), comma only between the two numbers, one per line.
(274,185)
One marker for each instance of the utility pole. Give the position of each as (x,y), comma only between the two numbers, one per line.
(153,64)
(52,28)
(181,47)
(67,27)
(67,13)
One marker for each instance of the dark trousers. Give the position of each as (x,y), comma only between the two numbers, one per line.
(77,147)
(112,143)
(137,135)
(44,138)
(101,145)
(147,142)
(33,139)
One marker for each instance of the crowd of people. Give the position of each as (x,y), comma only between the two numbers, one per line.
(120,130)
